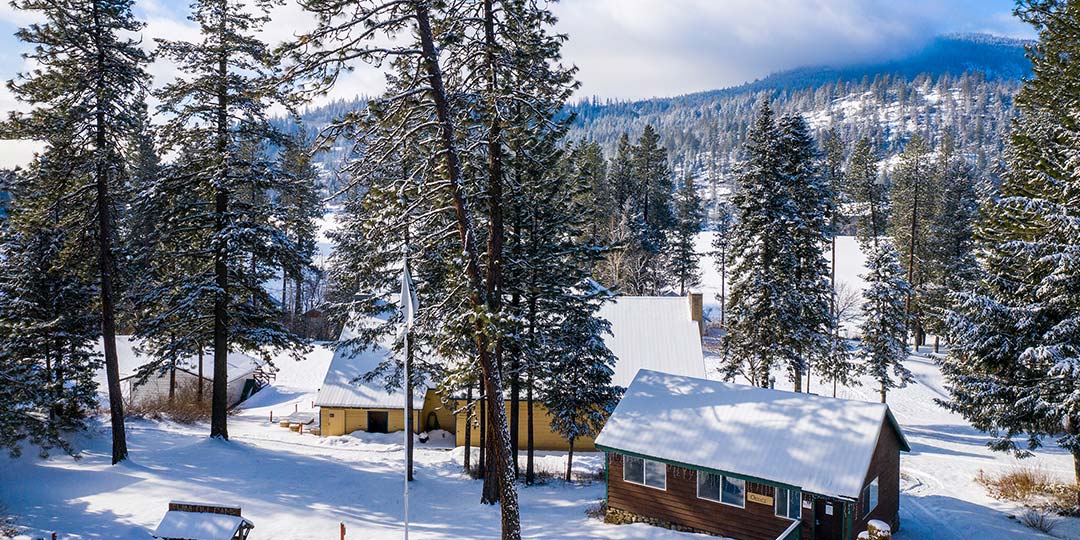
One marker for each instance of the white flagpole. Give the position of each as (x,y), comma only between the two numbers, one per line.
(408,311)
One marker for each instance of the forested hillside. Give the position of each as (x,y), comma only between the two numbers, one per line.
(958,83)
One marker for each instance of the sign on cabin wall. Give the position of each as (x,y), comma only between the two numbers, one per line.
(760,499)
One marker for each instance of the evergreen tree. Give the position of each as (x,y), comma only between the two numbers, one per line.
(48,326)
(579,394)
(950,237)
(652,193)
(682,255)
(884,348)
(298,209)
(84,90)
(221,244)
(865,187)
(1016,345)
(723,221)
(810,297)
(762,259)
(914,195)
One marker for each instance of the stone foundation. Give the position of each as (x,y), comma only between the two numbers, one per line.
(616,516)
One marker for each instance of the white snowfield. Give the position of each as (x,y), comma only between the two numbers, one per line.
(819,444)
(301,487)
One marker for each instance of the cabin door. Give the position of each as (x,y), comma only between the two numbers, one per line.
(377,421)
(828,520)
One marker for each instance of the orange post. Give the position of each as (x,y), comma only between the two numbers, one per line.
(301,430)
(342,530)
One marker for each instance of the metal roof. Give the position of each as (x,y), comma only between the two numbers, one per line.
(819,444)
(344,386)
(652,332)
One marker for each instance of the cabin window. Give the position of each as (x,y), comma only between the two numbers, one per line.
(645,472)
(722,489)
(733,492)
(708,486)
(788,503)
(870,497)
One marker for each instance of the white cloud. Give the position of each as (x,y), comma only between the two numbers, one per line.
(644,48)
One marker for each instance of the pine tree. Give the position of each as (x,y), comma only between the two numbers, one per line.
(652,198)
(950,237)
(85,90)
(298,208)
(48,326)
(221,244)
(682,255)
(579,394)
(723,221)
(884,348)
(762,260)
(865,187)
(810,299)
(1016,345)
(914,195)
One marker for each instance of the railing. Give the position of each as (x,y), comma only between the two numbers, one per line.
(793,532)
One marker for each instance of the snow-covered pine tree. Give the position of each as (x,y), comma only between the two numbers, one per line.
(88,77)
(687,222)
(866,188)
(810,231)
(914,194)
(652,198)
(626,266)
(1016,337)
(883,346)
(723,220)
(422,104)
(762,259)
(579,394)
(838,365)
(950,236)
(220,242)
(48,326)
(298,208)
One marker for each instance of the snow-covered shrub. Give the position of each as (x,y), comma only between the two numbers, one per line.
(1039,520)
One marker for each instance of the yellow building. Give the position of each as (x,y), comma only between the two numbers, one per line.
(348,403)
(661,333)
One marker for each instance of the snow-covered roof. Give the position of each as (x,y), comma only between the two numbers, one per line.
(819,444)
(652,332)
(343,385)
(239,364)
(198,526)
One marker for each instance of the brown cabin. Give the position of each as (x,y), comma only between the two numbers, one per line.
(750,463)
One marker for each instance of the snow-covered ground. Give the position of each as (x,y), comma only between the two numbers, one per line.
(302,486)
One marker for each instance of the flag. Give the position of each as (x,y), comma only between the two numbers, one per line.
(409,304)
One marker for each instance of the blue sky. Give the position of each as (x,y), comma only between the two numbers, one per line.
(645,48)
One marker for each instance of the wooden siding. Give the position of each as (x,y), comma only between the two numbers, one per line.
(885,466)
(543,437)
(355,418)
(679,504)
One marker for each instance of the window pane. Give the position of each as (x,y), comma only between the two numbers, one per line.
(873,494)
(708,486)
(655,474)
(794,504)
(781,501)
(633,470)
(734,491)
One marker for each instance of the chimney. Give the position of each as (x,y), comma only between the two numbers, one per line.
(696,311)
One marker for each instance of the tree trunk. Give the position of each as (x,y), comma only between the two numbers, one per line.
(883,393)
(530,468)
(911,260)
(468,428)
(219,394)
(106,263)
(511,519)
(481,466)
(1076,472)
(172,381)
(201,378)
(570,459)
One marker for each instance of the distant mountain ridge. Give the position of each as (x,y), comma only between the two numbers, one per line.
(960,82)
